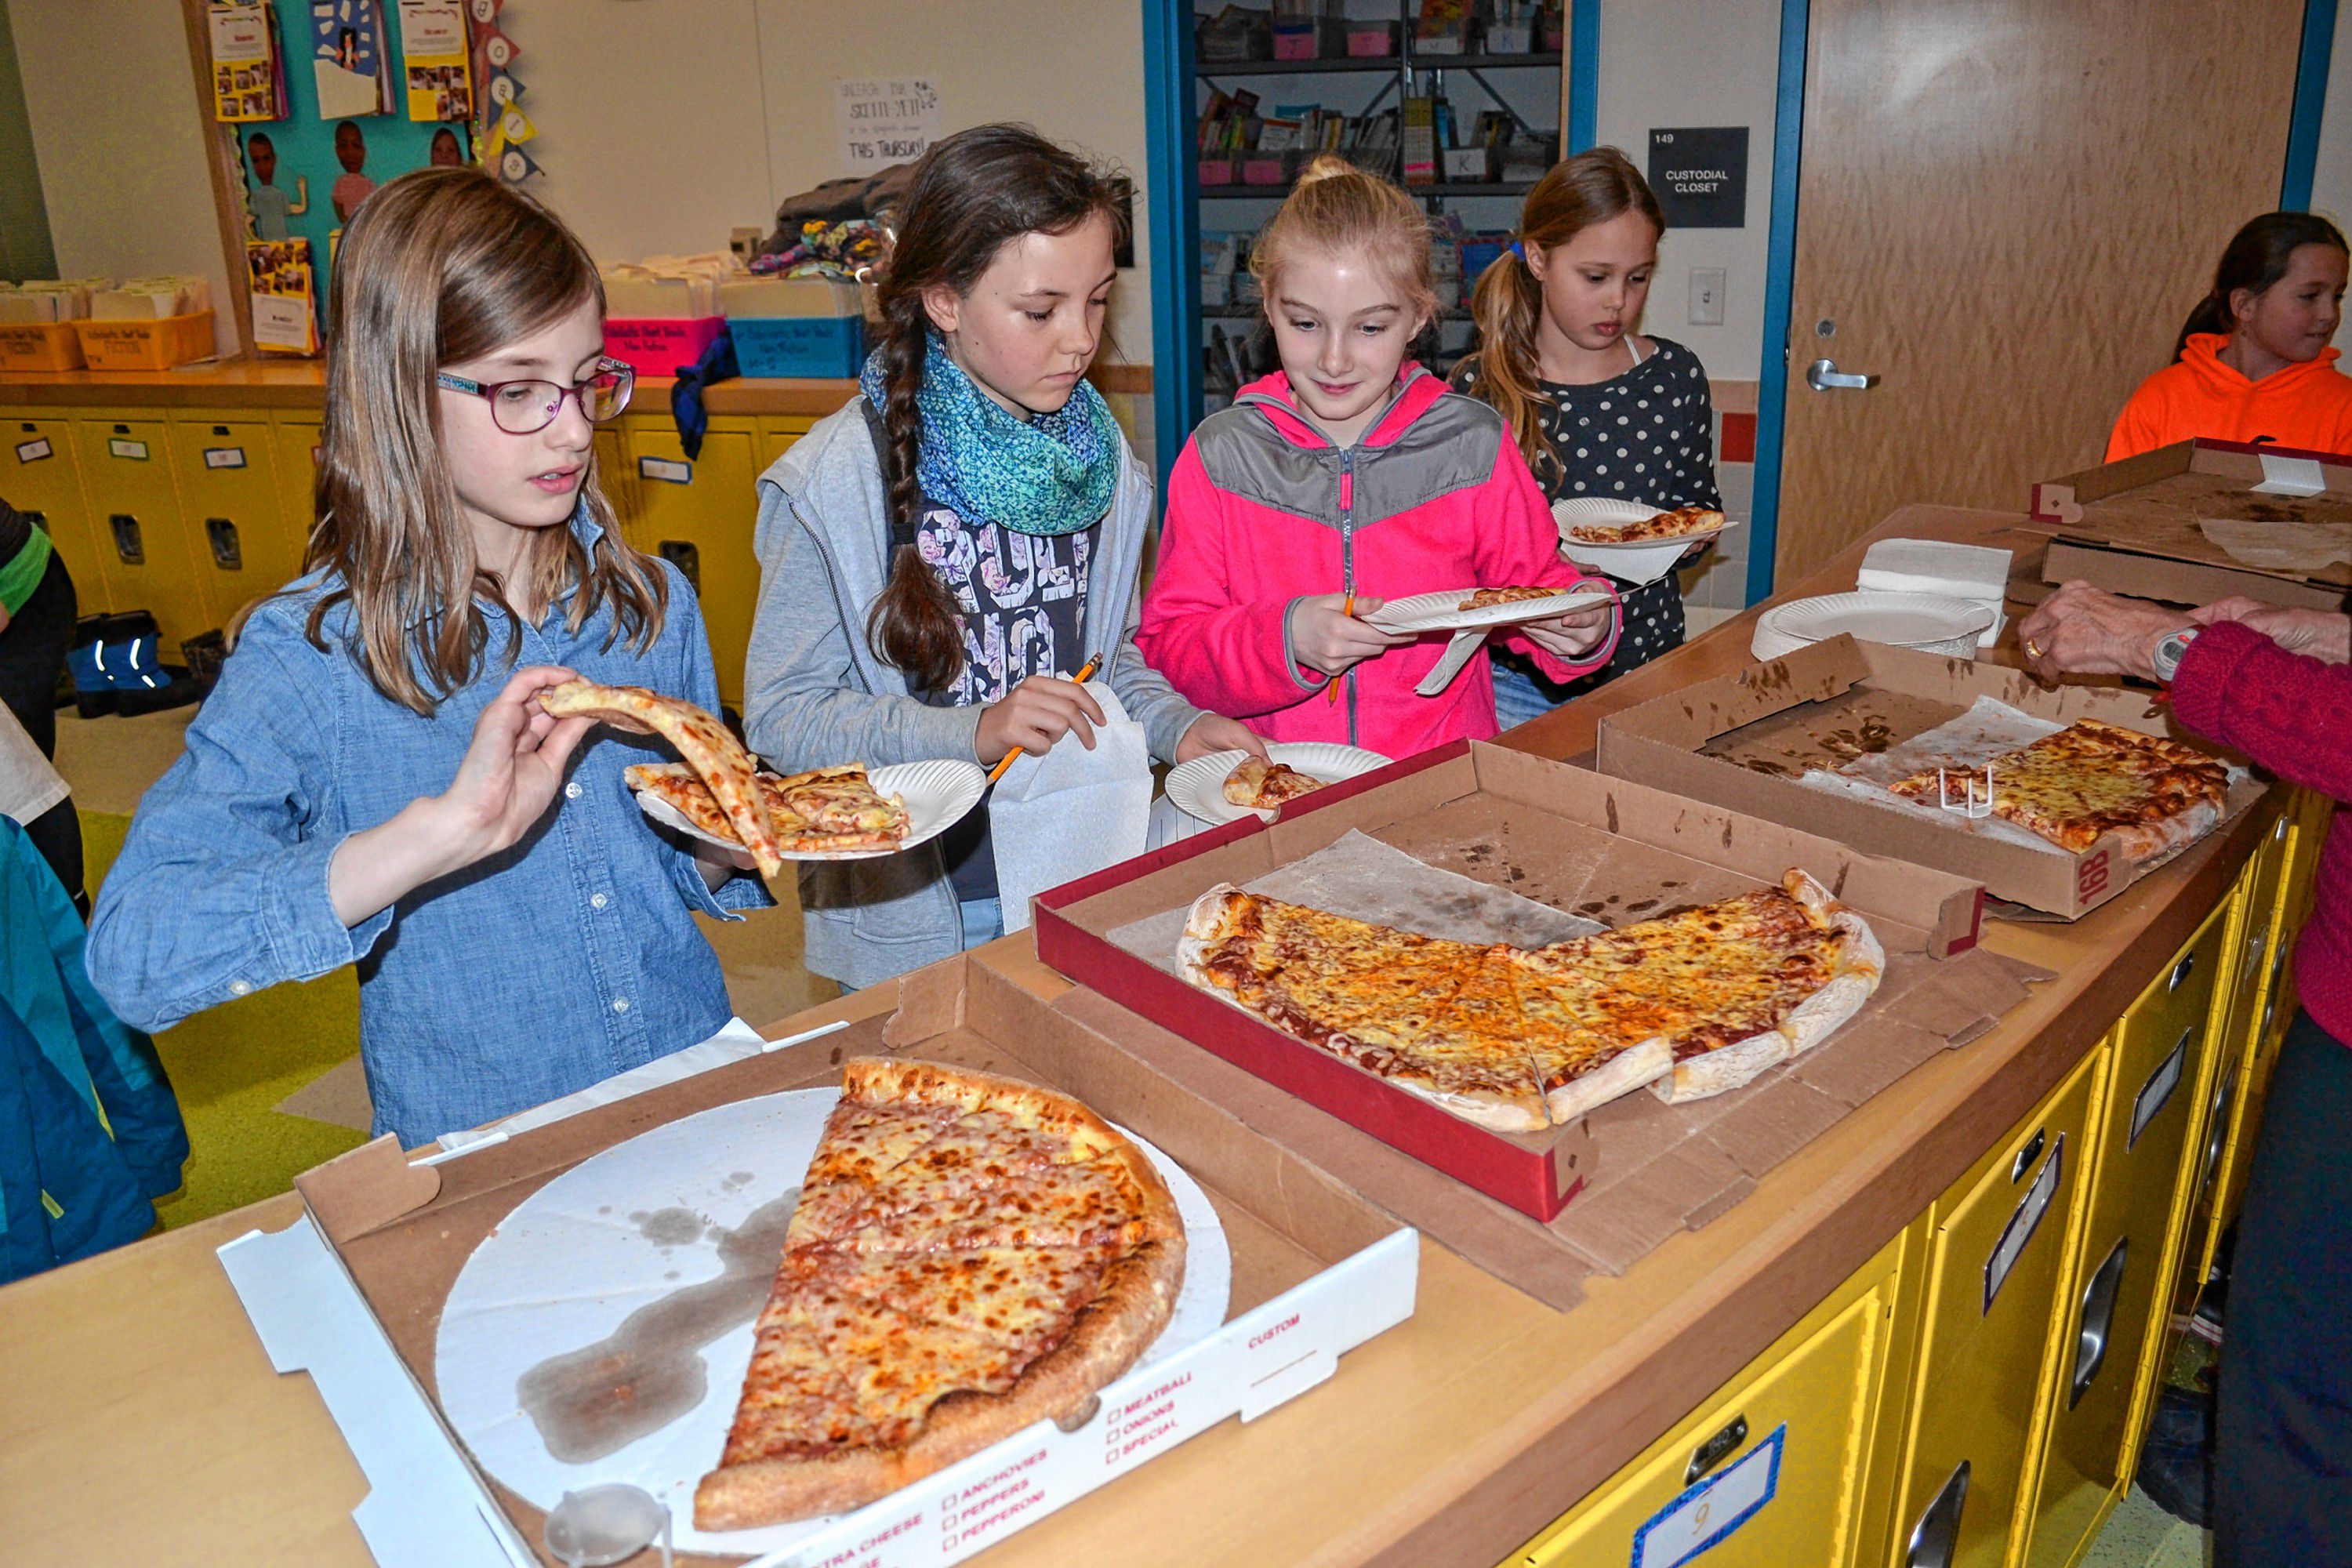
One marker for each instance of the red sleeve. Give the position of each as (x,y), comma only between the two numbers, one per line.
(1518,543)
(1222,654)
(2290,713)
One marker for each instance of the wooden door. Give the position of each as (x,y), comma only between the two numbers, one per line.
(2006,208)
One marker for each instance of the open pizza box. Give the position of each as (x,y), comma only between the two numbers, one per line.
(2201,519)
(355,1293)
(1748,737)
(1557,835)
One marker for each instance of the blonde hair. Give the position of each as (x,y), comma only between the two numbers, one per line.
(1574,194)
(1338,207)
(439,266)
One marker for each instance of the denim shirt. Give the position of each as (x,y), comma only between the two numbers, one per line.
(537,972)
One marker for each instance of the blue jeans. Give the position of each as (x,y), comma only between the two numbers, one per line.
(983,920)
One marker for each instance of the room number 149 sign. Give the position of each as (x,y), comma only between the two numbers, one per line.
(885,122)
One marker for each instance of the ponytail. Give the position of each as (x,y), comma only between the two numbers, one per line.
(2258,256)
(1507,305)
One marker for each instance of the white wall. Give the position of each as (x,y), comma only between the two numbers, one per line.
(115,129)
(1668,63)
(2331,175)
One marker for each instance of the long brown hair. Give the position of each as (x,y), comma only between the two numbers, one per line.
(969,197)
(439,266)
(1338,208)
(1575,194)
(2258,257)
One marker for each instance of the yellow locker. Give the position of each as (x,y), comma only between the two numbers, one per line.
(1796,1420)
(2159,1070)
(699,516)
(144,549)
(616,480)
(42,474)
(231,506)
(777,435)
(1996,1260)
(296,444)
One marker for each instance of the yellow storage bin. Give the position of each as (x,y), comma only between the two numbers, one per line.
(40,473)
(1777,1465)
(158,344)
(39,346)
(2160,1068)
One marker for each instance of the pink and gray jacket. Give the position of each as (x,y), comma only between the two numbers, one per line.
(1264,511)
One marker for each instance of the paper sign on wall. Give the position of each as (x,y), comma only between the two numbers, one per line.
(1700,175)
(245,64)
(437,68)
(885,122)
(347,50)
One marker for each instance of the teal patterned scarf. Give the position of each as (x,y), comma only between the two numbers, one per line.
(1049,474)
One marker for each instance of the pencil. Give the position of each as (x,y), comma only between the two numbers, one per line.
(1331,691)
(1085,673)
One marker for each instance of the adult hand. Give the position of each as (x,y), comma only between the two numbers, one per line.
(1034,715)
(1573,634)
(1215,732)
(1325,637)
(2318,634)
(2082,630)
(506,781)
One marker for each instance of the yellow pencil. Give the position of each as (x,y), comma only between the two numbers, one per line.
(1085,673)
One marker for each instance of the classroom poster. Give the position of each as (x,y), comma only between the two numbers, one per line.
(347,58)
(245,71)
(438,63)
(285,309)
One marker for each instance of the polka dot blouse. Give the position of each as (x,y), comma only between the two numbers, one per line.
(1646,435)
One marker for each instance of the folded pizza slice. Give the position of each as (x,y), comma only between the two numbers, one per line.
(1263,785)
(704,743)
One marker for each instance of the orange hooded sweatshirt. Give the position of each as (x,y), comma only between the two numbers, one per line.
(2305,405)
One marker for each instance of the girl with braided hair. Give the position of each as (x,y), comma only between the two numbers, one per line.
(941,557)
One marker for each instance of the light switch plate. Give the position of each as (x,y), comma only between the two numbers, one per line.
(1707,296)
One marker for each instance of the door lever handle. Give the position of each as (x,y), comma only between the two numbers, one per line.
(1823,375)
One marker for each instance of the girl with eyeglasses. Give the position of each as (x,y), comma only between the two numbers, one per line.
(372,781)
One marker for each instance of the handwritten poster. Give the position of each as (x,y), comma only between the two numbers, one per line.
(885,122)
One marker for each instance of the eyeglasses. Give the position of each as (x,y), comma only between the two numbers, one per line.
(525,408)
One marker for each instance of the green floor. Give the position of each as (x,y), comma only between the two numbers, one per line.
(230,1067)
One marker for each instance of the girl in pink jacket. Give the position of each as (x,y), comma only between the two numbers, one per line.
(1349,478)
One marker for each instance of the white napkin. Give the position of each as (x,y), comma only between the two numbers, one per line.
(1973,571)
(1071,812)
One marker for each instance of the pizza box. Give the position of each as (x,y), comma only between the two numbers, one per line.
(2133,527)
(1744,738)
(353,1292)
(1558,835)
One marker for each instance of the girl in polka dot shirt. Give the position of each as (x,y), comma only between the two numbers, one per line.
(1598,409)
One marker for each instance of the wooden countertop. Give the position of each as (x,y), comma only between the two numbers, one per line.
(143,1422)
(301,385)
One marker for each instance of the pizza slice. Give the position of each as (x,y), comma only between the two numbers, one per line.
(806,821)
(2091,779)
(702,742)
(1263,785)
(843,800)
(1675,524)
(1484,599)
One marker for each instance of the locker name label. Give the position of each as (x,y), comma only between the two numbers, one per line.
(2024,1223)
(223,456)
(33,451)
(134,450)
(666,471)
(1699,1519)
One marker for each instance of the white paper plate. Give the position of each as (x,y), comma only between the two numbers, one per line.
(938,794)
(1930,622)
(1198,788)
(639,1223)
(1640,562)
(1442,611)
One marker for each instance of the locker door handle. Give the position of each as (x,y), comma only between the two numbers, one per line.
(2026,1156)
(1709,1454)
(2180,971)
(221,535)
(1823,375)
(683,555)
(2217,1137)
(2098,1322)
(127,543)
(1938,1534)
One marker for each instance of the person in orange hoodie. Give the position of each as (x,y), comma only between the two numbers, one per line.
(2254,363)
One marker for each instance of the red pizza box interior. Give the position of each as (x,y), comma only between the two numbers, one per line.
(1745,737)
(405,1230)
(2131,527)
(1559,835)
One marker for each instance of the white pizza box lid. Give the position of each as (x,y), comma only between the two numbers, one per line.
(429,1506)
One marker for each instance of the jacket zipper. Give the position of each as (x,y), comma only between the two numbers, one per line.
(1348,560)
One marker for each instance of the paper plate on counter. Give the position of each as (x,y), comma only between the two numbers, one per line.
(1639,562)
(1932,622)
(1198,788)
(938,794)
(1442,612)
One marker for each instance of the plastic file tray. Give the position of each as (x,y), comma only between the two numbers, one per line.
(799,345)
(158,344)
(39,346)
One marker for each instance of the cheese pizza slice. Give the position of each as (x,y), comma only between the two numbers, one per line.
(705,744)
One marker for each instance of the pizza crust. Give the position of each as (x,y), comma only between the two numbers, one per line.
(706,745)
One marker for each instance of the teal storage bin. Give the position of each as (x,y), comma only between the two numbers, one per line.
(799,345)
